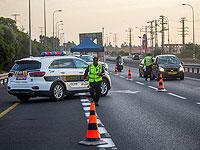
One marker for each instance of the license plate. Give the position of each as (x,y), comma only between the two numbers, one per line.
(172,72)
(21,78)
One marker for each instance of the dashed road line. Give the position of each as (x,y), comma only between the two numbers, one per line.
(140,83)
(8,109)
(181,97)
(102,130)
(153,87)
(198,103)
(121,76)
(192,78)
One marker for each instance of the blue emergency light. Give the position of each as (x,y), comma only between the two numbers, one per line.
(59,53)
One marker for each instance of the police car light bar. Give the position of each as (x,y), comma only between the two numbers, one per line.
(60,53)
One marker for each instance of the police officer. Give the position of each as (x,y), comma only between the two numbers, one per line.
(96,71)
(148,61)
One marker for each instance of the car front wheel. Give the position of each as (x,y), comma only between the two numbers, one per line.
(57,92)
(104,87)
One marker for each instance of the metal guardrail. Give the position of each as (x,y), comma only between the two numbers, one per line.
(3,79)
(193,68)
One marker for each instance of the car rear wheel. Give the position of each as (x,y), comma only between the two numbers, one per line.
(57,92)
(104,87)
(24,98)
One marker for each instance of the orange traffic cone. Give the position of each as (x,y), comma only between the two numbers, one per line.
(161,85)
(129,75)
(93,137)
(116,73)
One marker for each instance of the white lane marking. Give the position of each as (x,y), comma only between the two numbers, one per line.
(121,76)
(102,130)
(153,87)
(198,103)
(85,100)
(140,83)
(125,91)
(86,108)
(98,121)
(181,97)
(86,104)
(109,141)
(192,79)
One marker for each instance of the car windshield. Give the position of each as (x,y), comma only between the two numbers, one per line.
(168,60)
(87,58)
(26,65)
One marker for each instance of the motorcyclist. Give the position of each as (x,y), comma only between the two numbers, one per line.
(148,62)
(119,63)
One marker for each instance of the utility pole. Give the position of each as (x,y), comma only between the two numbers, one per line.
(183,30)
(115,39)
(15,17)
(162,32)
(41,33)
(151,33)
(130,40)
(156,34)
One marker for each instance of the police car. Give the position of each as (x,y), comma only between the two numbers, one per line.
(51,76)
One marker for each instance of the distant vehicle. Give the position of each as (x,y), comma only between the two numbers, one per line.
(89,59)
(136,57)
(169,66)
(50,76)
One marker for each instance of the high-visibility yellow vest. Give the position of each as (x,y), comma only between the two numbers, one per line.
(148,60)
(93,71)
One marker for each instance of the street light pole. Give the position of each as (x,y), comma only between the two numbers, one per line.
(140,39)
(45,27)
(193,29)
(56,33)
(54,27)
(30,28)
(57,44)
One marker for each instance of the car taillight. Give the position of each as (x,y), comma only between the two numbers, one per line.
(10,74)
(37,74)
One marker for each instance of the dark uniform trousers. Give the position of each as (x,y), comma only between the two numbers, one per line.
(95,91)
(148,72)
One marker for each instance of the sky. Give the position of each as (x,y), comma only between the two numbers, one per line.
(116,16)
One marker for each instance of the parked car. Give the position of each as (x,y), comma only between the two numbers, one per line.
(89,59)
(50,76)
(169,66)
(136,57)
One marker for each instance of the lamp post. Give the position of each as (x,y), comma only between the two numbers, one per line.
(140,39)
(45,27)
(30,28)
(57,44)
(56,31)
(54,27)
(193,29)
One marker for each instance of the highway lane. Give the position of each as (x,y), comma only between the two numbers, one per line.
(188,88)
(149,120)
(135,115)
(41,124)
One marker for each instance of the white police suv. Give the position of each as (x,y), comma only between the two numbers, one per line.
(51,76)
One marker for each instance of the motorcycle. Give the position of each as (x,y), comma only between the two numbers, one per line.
(120,66)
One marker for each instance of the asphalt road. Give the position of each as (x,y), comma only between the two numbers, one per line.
(134,113)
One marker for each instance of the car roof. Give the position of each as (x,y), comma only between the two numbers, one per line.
(45,58)
(166,55)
